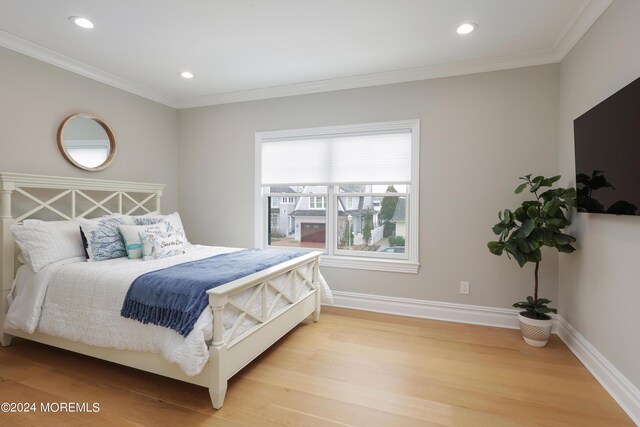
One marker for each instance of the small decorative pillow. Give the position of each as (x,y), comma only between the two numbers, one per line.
(156,246)
(45,242)
(131,236)
(173,221)
(103,238)
(147,245)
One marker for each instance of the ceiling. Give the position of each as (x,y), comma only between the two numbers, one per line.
(241,50)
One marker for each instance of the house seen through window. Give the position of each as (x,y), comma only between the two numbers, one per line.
(352,197)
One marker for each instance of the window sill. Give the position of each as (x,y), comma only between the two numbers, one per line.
(377,264)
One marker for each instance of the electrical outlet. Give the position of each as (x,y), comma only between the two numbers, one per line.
(464,288)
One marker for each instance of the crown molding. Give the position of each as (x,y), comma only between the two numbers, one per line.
(579,25)
(49,56)
(584,18)
(376,79)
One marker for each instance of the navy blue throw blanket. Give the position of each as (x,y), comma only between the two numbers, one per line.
(174,297)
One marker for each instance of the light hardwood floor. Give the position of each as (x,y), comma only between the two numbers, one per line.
(351,368)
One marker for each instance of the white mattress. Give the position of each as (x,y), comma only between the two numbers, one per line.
(81,301)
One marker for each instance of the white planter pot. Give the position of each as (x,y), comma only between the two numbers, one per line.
(535,332)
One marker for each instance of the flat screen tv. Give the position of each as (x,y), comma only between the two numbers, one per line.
(607,144)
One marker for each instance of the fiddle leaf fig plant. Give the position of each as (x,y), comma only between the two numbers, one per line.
(534,224)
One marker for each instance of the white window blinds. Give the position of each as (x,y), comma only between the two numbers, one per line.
(343,159)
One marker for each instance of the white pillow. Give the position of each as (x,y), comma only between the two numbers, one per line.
(173,221)
(45,242)
(103,239)
(131,236)
(162,245)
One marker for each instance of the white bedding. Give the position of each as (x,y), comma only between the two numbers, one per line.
(81,301)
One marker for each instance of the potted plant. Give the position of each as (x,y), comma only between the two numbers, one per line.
(523,232)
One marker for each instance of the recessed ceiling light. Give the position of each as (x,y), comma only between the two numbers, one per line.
(81,22)
(467,28)
(186,75)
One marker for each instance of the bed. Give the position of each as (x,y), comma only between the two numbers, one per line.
(243,318)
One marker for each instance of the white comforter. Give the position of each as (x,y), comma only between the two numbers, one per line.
(81,301)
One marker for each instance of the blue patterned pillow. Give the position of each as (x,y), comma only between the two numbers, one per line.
(103,238)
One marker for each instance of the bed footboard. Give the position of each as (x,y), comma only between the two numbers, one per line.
(230,351)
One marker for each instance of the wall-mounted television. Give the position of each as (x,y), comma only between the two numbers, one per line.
(607,146)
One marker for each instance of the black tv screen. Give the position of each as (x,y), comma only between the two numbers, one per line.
(607,144)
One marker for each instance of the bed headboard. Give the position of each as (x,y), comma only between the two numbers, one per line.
(64,198)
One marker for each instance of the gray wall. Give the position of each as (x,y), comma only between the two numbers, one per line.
(34,99)
(479,133)
(600,283)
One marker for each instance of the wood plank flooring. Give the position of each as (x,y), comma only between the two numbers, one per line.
(352,368)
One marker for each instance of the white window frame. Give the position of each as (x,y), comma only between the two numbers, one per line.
(318,202)
(346,259)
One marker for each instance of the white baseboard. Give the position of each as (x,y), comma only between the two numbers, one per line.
(617,385)
(462,313)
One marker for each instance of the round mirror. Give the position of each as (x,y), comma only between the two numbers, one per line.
(86,142)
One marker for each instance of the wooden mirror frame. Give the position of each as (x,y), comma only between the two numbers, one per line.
(67,156)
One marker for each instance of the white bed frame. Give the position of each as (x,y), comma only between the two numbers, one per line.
(227,355)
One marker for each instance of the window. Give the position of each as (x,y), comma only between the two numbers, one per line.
(356,193)
(306,227)
(274,202)
(349,204)
(275,221)
(317,203)
(288,200)
(368,228)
